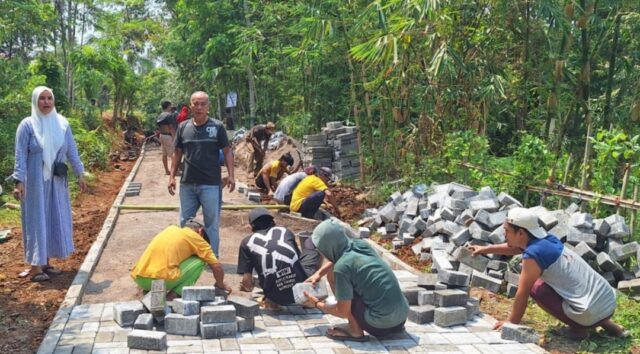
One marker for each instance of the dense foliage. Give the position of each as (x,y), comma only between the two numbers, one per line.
(505,93)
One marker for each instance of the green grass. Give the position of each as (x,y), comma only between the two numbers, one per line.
(626,315)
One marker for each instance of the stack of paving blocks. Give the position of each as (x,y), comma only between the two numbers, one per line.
(200,311)
(337,148)
(440,222)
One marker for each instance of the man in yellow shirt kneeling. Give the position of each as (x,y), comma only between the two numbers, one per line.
(178,255)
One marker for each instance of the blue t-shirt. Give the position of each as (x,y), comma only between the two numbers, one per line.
(545,251)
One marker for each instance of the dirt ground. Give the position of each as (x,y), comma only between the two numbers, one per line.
(28,308)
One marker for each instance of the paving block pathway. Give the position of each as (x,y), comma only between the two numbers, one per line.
(84,323)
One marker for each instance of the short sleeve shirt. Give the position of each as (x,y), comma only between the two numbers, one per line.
(259,132)
(370,278)
(275,257)
(275,169)
(287,185)
(200,146)
(307,186)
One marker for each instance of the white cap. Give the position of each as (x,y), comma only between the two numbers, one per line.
(526,219)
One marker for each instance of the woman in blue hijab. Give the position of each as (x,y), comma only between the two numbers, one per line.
(367,292)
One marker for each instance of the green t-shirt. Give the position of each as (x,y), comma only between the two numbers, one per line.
(368,276)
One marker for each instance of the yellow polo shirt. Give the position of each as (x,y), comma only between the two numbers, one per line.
(162,258)
(275,169)
(307,186)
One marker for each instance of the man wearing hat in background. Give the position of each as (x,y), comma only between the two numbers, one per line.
(178,255)
(273,253)
(272,172)
(311,192)
(259,134)
(559,280)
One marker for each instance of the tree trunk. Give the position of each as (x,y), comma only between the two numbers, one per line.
(250,79)
(612,70)
(585,86)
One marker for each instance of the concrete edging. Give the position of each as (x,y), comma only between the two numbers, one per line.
(76,289)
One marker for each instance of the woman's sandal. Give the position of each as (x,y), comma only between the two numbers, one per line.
(40,277)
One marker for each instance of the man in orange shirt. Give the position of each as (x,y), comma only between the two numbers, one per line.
(178,255)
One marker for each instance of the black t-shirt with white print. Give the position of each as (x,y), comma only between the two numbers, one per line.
(201,146)
(276,258)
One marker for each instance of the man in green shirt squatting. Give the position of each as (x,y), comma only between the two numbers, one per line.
(367,292)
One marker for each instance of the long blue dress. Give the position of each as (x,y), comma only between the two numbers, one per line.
(47,228)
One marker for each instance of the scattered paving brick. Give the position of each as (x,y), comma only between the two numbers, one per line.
(450,316)
(147,340)
(421,314)
(126,313)
(519,333)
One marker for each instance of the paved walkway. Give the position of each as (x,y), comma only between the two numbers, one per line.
(84,323)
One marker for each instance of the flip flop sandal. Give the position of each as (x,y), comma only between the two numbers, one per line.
(40,277)
(51,270)
(346,336)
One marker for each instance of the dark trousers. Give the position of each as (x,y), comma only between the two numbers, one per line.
(358,308)
(549,300)
(311,204)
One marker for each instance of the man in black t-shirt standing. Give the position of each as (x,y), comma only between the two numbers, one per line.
(199,140)
(272,251)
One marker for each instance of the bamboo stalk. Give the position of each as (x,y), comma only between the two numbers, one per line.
(564,177)
(624,185)
(588,196)
(634,213)
(224,207)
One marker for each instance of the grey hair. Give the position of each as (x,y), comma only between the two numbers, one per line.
(200,93)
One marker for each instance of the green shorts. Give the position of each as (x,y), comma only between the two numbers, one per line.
(190,270)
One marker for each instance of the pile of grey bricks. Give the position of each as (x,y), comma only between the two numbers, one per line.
(440,222)
(202,310)
(337,148)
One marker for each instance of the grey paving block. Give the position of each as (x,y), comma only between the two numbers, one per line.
(606,263)
(484,281)
(412,207)
(624,252)
(601,227)
(319,291)
(581,221)
(184,307)
(448,214)
(461,237)
(473,308)
(441,260)
(449,228)
(519,333)
(155,301)
(144,321)
(411,293)
(506,199)
(450,316)
(478,262)
(546,219)
(614,219)
(576,236)
(610,278)
(246,324)
(479,233)
(495,274)
(630,286)
(125,313)
(466,217)
(199,293)
(183,325)
(421,314)
(450,297)
(426,297)
(497,265)
(218,330)
(364,232)
(245,308)
(427,281)
(482,218)
(583,250)
(511,291)
(218,314)
(498,236)
(147,340)
(618,230)
(407,239)
(491,205)
(391,228)
(452,277)
(220,300)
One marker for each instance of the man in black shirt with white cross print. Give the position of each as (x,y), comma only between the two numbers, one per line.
(272,251)
(199,140)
